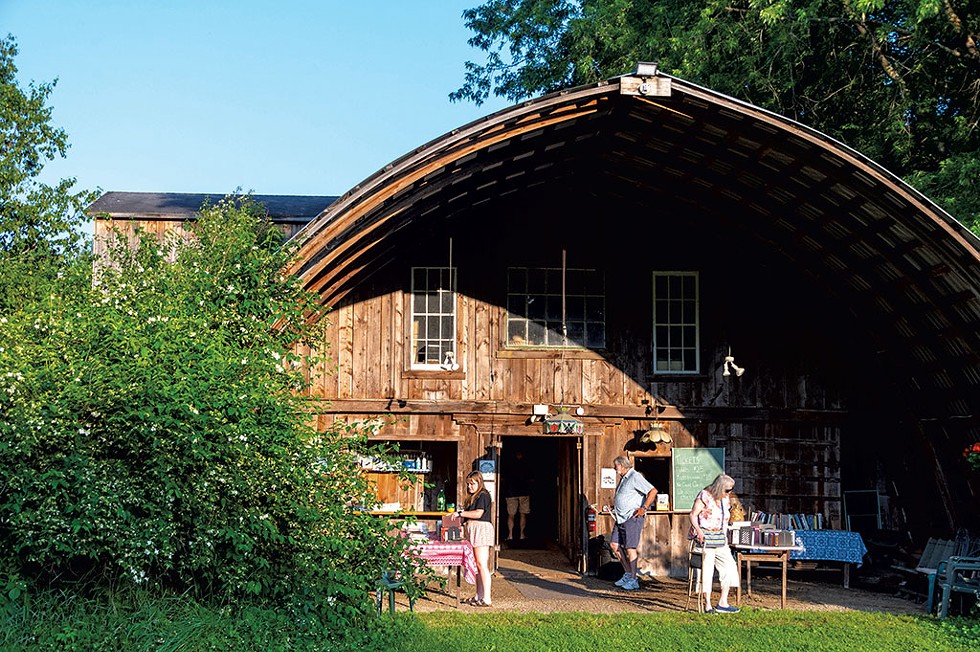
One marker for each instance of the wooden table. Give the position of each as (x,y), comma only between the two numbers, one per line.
(831,545)
(454,554)
(749,554)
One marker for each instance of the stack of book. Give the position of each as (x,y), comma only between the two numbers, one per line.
(789,521)
(763,535)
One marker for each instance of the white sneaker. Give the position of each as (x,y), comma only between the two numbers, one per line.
(624,580)
(632,585)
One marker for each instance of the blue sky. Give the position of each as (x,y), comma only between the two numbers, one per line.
(301,97)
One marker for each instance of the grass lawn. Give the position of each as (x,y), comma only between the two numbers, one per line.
(60,621)
(750,630)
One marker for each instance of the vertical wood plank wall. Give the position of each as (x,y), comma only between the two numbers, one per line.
(779,465)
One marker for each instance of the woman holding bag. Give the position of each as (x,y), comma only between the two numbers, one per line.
(709,525)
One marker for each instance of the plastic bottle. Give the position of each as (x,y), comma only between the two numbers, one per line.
(441,500)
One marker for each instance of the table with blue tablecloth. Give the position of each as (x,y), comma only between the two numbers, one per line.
(831,545)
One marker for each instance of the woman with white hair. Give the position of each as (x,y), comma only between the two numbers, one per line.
(709,525)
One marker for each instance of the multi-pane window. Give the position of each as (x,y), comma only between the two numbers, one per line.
(434,316)
(534,307)
(675,322)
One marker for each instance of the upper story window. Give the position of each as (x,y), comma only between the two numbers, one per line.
(534,307)
(676,337)
(433,316)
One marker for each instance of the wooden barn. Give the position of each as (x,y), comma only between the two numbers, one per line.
(642,266)
(160,213)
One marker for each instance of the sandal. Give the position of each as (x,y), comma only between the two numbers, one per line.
(481,603)
(471,601)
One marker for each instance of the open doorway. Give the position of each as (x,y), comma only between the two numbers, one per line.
(529,466)
(546,468)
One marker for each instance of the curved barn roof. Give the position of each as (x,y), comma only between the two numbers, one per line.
(883,248)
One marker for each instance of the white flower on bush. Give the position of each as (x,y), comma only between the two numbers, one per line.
(193,409)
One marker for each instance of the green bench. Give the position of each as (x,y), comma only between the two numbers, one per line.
(936,550)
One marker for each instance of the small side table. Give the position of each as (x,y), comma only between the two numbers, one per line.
(750,554)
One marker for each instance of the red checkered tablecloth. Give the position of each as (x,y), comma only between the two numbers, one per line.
(449,553)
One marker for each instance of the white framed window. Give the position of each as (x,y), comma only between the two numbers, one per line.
(434,317)
(534,307)
(676,328)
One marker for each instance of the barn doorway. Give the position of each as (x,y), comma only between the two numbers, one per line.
(546,468)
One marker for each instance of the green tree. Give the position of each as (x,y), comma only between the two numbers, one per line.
(40,224)
(156,432)
(898,80)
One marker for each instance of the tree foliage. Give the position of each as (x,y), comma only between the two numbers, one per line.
(39,223)
(155,433)
(898,80)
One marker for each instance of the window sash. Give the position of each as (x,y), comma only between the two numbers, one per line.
(676,327)
(433,316)
(534,308)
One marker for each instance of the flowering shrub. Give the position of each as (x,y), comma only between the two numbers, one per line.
(972,456)
(154,431)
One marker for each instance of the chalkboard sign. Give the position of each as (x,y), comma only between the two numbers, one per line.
(693,469)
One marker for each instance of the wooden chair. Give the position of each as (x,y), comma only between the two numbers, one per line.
(695,562)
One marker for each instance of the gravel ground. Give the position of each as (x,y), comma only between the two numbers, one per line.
(540,581)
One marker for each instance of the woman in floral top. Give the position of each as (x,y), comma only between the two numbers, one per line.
(709,523)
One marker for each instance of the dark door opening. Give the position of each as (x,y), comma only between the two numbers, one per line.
(530,464)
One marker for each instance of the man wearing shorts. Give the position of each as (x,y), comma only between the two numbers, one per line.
(517,493)
(634,496)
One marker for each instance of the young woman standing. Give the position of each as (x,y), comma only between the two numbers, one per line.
(479,532)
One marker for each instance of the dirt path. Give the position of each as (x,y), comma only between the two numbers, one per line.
(540,581)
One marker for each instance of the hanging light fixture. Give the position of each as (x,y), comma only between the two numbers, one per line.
(563,423)
(728,366)
(656,433)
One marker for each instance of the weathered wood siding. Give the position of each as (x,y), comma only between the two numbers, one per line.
(781,430)
(160,228)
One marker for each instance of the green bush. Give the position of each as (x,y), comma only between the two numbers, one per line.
(156,433)
(136,620)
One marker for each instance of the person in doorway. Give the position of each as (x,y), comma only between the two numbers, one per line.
(634,496)
(479,532)
(709,525)
(517,493)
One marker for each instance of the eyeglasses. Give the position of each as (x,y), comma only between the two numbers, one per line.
(728,491)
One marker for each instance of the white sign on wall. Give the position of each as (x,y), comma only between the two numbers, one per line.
(607,479)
